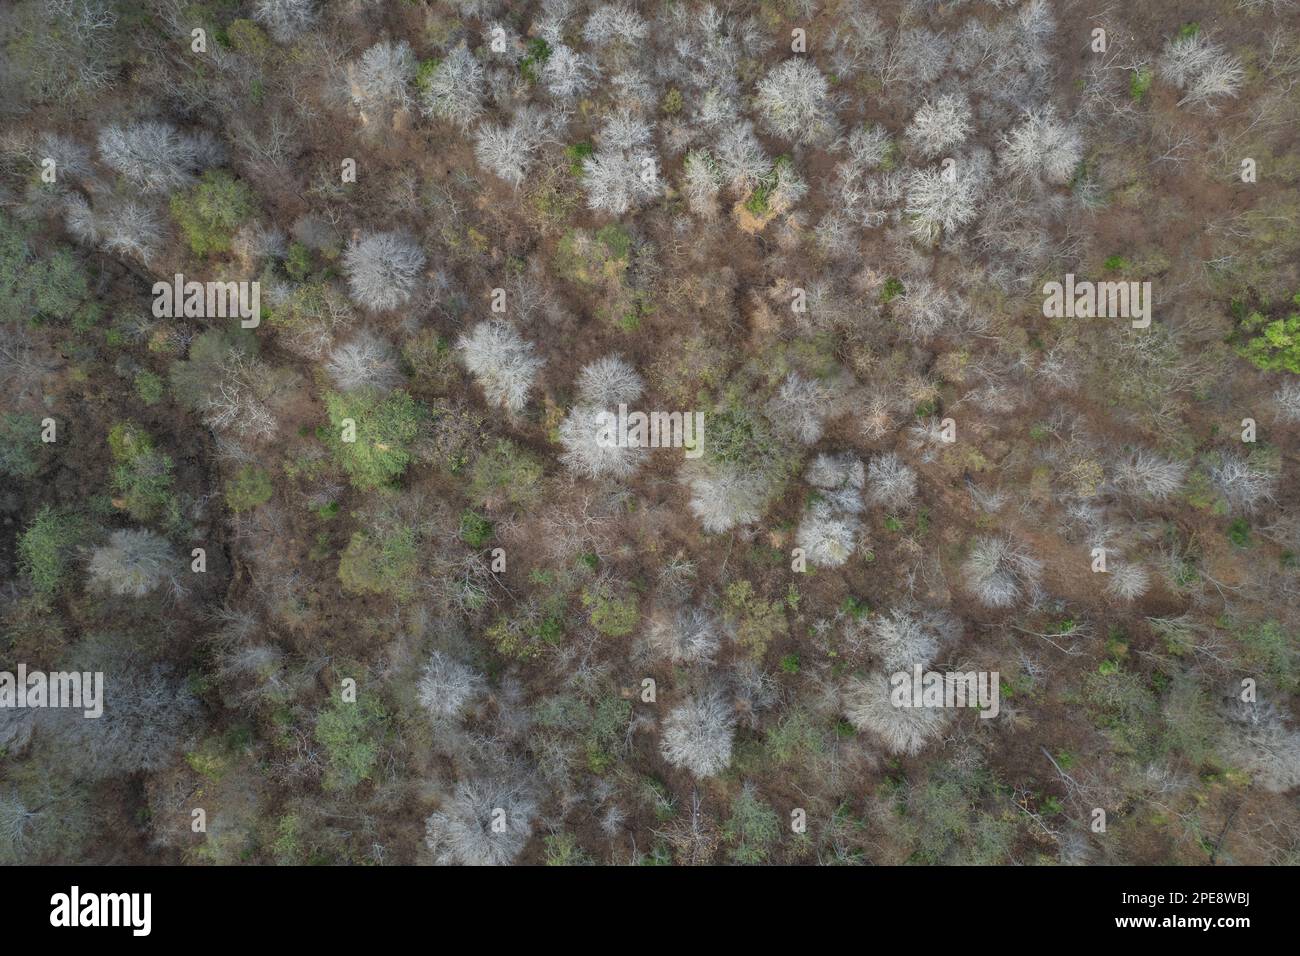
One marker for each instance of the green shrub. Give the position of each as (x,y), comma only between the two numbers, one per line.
(752,829)
(46,546)
(1268,648)
(612,611)
(756,622)
(211,210)
(250,487)
(383,562)
(20,445)
(350,735)
(142,476)
(39,287)
(432,361)
(738,436)
(526,635)
(385,430)
(195,379)
(246,37)
(1139,83)
(562,850)
(149,387)
(505,471)
(1271,344)
(538,52)
(576,154)
(297,263)
(475,530)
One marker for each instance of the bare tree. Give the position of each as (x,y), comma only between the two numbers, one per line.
(1242,483)
(797,408)
(454,90)
(796,104)
(999,573)
(366,361)
(591,447)
(484,823)
(938,126)
(901,730)
(891,483)
(623,173)
(697,734)
(133,563)
(1043,147)
(383,269)
(1257,739)
(828,535)
(502,361)
(1127,582)
(1202,69)
(446,686)
(942,200)
(285,20)
(379,82)
(609,381)
(684,635)
(156,157)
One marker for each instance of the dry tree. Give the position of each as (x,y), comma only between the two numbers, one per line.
(741,159)
(591,446)
(830,530)
(120,225)
(567,73)
(722,498)
(609,382)
(156,157)
(1244,485)
(906,636)
(240,403)
(798,407)
(149,715)
(447,686)
(453,90)
(508,151)
(827,535)
(942,200)
(366,361)
(684,635)
(1202,69)
(1147,475)
(383,269)
(133,563)
(614,23)
(702,181)
(901,730)
(379,81)
(1000,573)
(285,20)
(795,103)
(891,483)
(1287,400)
(502,362)
(924,309)
(1127,582)
(623,173)
(1043,147)
(1258,740)
(939,125)
(484,823)
(697,734)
